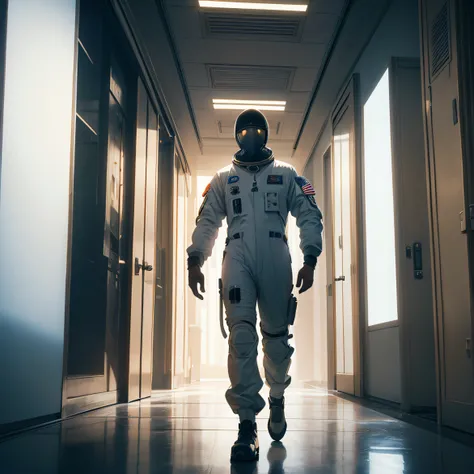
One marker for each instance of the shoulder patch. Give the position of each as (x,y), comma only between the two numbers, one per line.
(232,179)
(208,188)
(305,186)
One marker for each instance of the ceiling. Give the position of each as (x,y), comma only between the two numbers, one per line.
(256,56)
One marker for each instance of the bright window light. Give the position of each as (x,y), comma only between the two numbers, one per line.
(231,104)
(379,207)
(253,6)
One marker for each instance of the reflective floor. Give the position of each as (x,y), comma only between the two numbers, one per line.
(191,431)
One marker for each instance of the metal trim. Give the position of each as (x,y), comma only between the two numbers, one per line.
(383,326)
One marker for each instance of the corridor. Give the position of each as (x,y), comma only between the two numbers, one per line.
(191,430)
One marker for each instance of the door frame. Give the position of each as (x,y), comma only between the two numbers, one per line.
(328,167)
(465,51)
(351,92)
(3,51)
(179,166)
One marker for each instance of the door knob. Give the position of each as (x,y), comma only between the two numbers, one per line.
(341,278)
(146,267)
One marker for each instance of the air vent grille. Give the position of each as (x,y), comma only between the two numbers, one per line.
(250,77)
(440,41)
(250,26)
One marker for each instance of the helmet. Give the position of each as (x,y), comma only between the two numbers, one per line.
(251,134)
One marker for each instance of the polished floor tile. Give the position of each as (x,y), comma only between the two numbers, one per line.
(191,431)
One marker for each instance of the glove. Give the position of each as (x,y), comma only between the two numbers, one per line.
(195,276)
(305,276)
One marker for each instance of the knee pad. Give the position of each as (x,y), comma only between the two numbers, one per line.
(276,347)
(243,339)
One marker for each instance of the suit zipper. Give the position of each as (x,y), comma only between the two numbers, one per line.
(254,190)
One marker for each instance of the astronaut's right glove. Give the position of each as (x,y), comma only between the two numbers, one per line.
(196,276)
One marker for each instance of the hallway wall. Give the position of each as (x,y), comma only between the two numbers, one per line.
(34,205)
(397,35)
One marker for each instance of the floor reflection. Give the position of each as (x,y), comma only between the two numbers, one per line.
(192,430)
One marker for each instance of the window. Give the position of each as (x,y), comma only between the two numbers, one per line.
(379,207)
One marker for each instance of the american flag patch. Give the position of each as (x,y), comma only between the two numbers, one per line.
(305,186)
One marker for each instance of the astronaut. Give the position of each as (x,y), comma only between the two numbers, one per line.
(255,194)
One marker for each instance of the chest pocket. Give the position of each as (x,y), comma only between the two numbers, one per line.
(272,203)
(275,201)
(236,206)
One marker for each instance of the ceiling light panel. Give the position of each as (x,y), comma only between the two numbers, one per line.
(232,104)
(249,102)
(282,7)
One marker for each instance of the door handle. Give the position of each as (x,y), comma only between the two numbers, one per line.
(138,266)
(418,261)
(341,278)
(145,267)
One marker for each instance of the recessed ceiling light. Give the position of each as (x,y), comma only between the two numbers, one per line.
(253,6)
(233,104)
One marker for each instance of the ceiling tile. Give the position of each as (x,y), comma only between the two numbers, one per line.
(184,22)
(244,78)
(325,6)
(319,28)
(304,78)
(263,53)
(196,75)
(252,27)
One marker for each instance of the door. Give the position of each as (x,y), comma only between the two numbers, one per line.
(329,238)
(412,238)
(448,217)
(100,240)
(144,248)
(345,244)
(180,353)
(163,321)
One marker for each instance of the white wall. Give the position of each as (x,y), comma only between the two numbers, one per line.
(34,205)
(397,35)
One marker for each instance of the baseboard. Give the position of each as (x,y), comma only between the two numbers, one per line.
(12,429)
(77,405)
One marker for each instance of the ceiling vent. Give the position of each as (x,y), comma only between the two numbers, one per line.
(251,27)
(250,77)
(440,42)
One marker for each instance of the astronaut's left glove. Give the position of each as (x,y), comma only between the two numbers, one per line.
(306,274)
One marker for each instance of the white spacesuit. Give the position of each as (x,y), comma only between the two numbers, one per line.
(256,196)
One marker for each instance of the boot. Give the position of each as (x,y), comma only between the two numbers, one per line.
(277,422)
(246,447)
